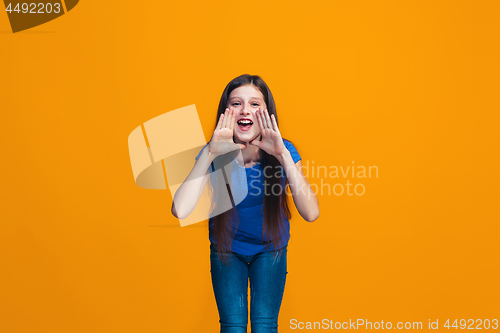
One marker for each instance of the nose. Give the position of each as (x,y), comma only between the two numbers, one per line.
(246,110)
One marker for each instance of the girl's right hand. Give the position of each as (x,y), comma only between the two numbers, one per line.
(222,139)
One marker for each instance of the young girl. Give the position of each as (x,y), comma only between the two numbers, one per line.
(249,235)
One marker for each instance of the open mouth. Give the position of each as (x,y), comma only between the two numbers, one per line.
(245,124)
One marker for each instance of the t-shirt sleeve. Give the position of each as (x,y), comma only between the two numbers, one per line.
(293,151)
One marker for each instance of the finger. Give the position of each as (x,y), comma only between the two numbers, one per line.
(233,119)
(268,120)
(259,117)
(242,146)
(219,124)
(226,118)
(275,124)
(264,121)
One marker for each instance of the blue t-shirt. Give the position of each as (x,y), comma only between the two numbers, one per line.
(247,240)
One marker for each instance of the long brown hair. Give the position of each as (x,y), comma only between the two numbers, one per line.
(275,206)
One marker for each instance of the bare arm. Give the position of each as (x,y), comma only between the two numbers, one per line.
(188,194)
(303,196)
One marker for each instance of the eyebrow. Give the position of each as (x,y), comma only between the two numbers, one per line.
(250,97)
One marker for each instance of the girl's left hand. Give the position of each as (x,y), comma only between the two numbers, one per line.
(271,142)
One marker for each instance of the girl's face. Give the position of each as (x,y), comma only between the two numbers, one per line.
(245,100)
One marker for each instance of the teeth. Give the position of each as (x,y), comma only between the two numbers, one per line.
(245,122)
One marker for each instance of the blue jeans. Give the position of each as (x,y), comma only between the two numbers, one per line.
(267,273)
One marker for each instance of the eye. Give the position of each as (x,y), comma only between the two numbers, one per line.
(255,104)
(236,103)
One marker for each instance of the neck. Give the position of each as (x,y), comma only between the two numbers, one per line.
(251,154)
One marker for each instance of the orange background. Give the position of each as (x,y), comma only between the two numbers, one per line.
(410,87)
